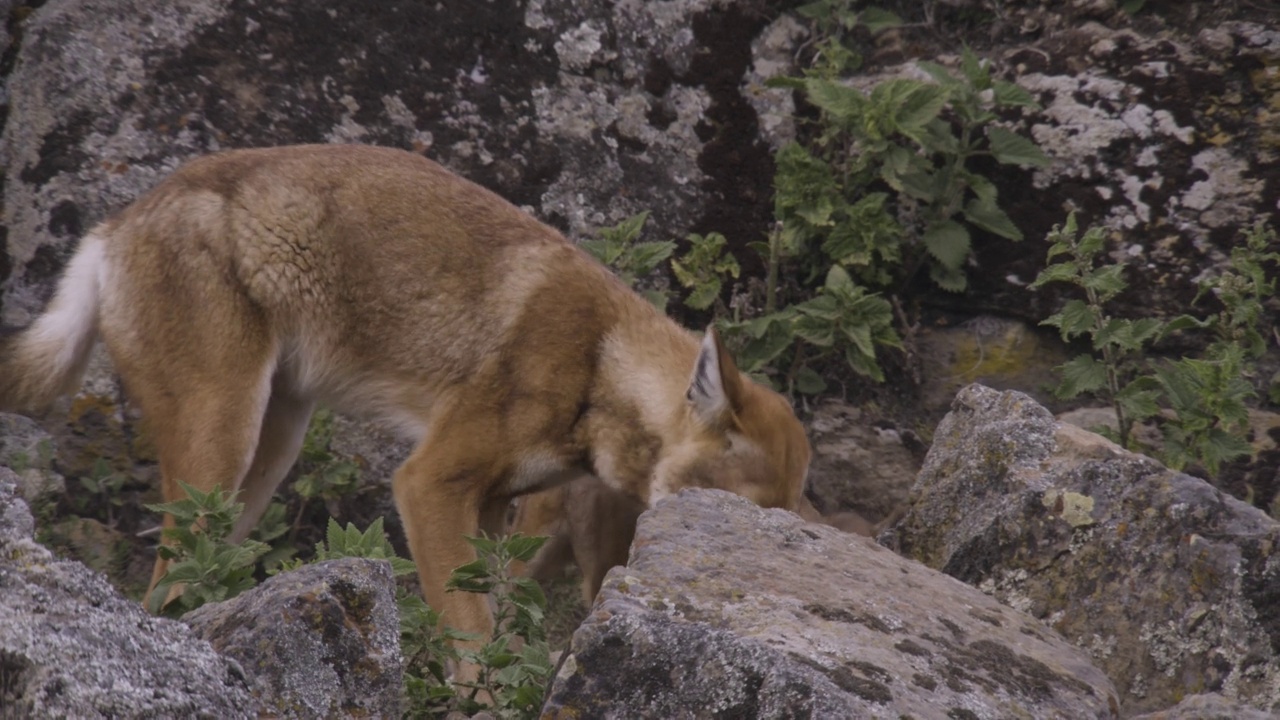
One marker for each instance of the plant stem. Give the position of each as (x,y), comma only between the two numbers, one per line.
(1110,362)
(771,279)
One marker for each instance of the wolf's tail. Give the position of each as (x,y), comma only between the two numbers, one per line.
(47,360)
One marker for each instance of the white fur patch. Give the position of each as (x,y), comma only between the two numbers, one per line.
(539,469)
(62,335)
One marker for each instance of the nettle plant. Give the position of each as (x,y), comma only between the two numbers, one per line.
(1201,402)
(620,248)
(887,185)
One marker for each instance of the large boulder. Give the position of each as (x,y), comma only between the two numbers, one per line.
(585,112)
(729,610)
(321,641)
(1172,586)
(71,646)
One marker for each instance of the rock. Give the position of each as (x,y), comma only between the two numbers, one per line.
(997,352)
(743,612)
(321,641)
(1171,585)
(1207,707)
(71,646)
(858,466)
(28,450)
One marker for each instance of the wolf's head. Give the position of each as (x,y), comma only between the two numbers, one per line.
(738,436)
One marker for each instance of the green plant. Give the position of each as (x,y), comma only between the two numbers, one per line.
(104,487)
(201,561)
(20,461)
(897,138)
(1209,395)
(842,319)
(514,663)
(620,249)
(1206,397)
(832,22)
(273,530)
(340,542)
(704,268)
(322,475)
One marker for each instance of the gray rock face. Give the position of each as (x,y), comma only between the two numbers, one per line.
(71,646)
(727,610)
(1171,585)
(321,641)
(27,450)
(587,112)
(1207,707)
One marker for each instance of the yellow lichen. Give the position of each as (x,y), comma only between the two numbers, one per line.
(1073,507)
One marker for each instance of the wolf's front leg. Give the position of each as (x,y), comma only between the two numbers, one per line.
(440,497)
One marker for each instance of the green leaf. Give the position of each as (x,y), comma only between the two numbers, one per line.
(860,337)
(1075,319)
(809,382)
(939,138)
(817,10)
(876,19)
(524,547)
(949,279)
(863,364)
(1011,95)
(785,83)
(940,75)
(974,70)
(919,185)
(918,108)
(988,216)
(602,250)
(1084,374)
(1093,242)
(814,331)
(838,280)
(841,102)
(948,242)
(1061,272)
(628,229)
(1011,148)
(646,256)
(1107,281)
(1138,400)
(657,298)
(704,295)
(1128,335)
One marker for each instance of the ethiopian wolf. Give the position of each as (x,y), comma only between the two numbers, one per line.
(253,284)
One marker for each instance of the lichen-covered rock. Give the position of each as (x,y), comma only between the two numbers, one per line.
(728,610)
(1207,707)
(27,450)
(1171,585)
(71,646)
(321,641)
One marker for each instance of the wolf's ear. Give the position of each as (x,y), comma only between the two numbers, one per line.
(715,392)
